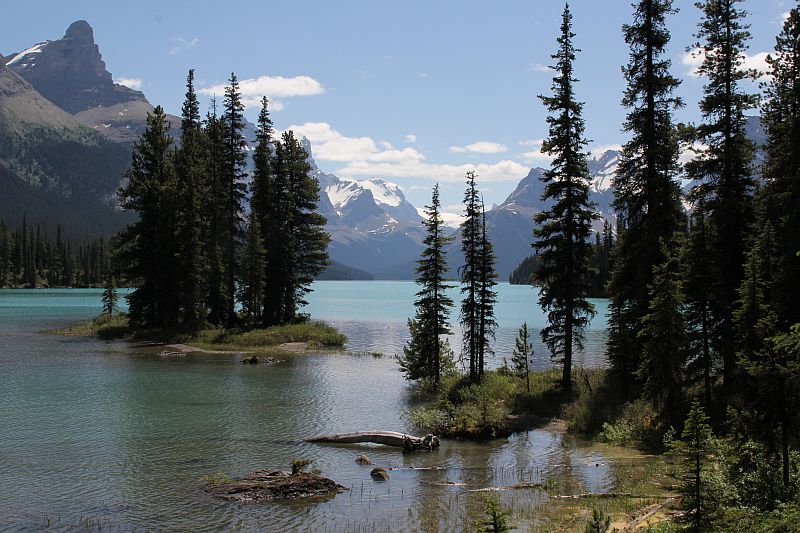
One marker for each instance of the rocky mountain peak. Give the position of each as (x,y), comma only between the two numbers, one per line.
(80,31)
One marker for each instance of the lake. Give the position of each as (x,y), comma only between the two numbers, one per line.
(111,435)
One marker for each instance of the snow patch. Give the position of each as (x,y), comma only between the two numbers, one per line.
(35,49)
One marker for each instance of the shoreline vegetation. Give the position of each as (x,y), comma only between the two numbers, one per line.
(287,338)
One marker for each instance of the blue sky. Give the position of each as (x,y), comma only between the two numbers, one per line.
(413,91)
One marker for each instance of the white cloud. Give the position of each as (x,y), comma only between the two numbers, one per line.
(481,147)
(410,138)
(179,44)
(330,145)
(538,67)
(453,220)
(273,87)
(535,157)
(599,150)
(422,74)
(694,58)
(133,83)
(785,16)
(505,170)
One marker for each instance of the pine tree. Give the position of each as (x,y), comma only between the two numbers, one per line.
(110,296)
(694,451)
(600,522)
(214,207)
(698,295)
(663,332)
(725,164)
(469,273)
(646,197)
(522,355)
(307,242)
(424,356)
(190,170)
(234,157)
(147,246)
(251,286)
(563,230)
(487,296)
(781,192)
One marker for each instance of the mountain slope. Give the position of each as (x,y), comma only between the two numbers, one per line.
(70,72)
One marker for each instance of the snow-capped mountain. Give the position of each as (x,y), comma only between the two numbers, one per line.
(70,72)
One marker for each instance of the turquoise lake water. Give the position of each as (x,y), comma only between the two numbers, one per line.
(114,436)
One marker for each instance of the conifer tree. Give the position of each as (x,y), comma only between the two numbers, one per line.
(664,339)
(190,172)
(234,157)
(725,164)
(523,354)
(251,287)
(693,451)
(425,355)
(110,296)
(698,295)
(563,230)
(307,242)
(214,206)
(646,197)
(487,296)
(469,273)
(781,191)
(147,246)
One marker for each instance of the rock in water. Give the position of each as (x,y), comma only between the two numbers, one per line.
(379,474)
(266,484)
(364,460)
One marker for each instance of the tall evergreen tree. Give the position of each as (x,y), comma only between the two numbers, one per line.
(147,246)
(190,170)
(234,156)
(646,197)
(487,295)
(781,192)
(725,164)
(214,206)
(664,337)
(110,296)
(522,354)
(563,230)
(424,356)
(469,272)
(251,286)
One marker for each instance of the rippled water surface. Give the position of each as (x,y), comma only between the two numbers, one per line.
(106,434)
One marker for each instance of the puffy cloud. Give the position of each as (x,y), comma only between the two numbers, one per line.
(694,58)
(330,145)
(179,44)
(481,147)
(273,87)
(534,157)
(133,83)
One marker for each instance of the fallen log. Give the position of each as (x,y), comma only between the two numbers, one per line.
(645,514)
(267,484)
(517,486)
(409,443)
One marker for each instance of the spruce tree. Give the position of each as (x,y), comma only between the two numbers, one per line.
(698,296)
(190,170)
(725,162)
(214,208)
(523,354)
(253,268)
(646,197)
(563,230)
(663,333)
(147,246)
(487,295)
(234,157)
(693,452)
(469,273)
(781,191)
(110,296)
(425,355)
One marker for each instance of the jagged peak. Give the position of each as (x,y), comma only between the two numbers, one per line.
(80,30)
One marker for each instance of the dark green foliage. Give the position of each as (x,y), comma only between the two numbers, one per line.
(724,165)
(423,356)
(646,197)
(110,296)
(213,207)
(147,247)
(663,333)
(525,272)
(694,452)
(470,235)
(600,522)
(496,519)
(34,259)
(562,233)
(251,286)
(487,296)
(523,354)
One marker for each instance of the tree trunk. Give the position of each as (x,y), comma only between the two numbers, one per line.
(409,443)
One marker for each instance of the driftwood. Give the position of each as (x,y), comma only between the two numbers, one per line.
(516,486)
(645,514)
(409,443)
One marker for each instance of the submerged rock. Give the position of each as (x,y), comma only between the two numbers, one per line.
(255,360)
(364,460)
(266,484)
(379,474)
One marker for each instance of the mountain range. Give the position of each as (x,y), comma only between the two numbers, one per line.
(67,130)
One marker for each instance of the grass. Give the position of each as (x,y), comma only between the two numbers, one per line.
(311,334)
